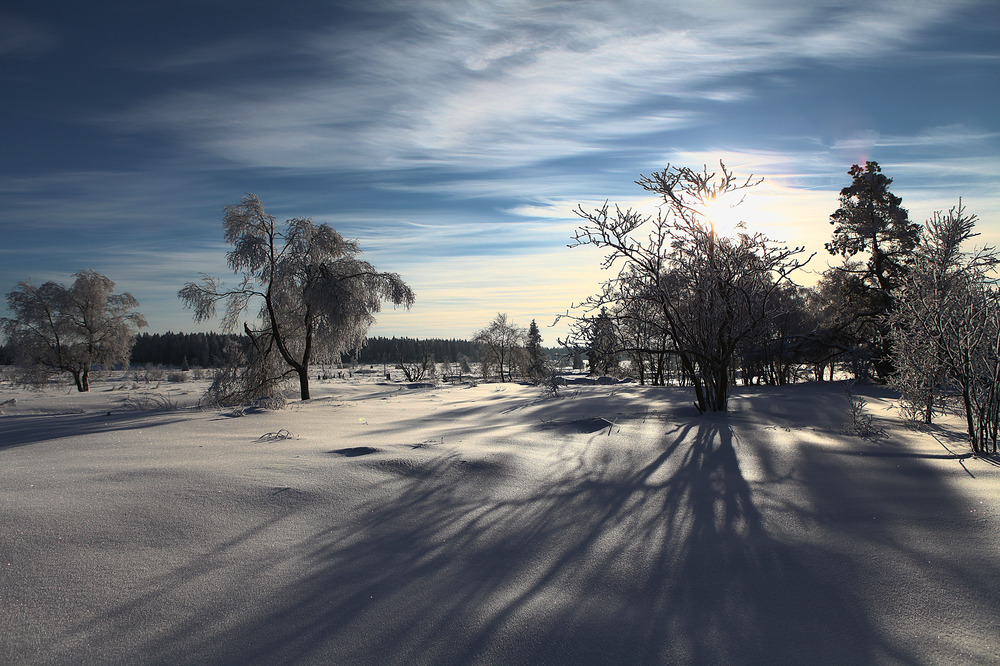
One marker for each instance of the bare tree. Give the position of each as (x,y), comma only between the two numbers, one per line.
(313,292)
(711,292)
(502,344)
(417,369)
(947,328)
(72,329)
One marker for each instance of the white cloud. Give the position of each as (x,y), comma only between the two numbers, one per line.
(509,85)
(948,136)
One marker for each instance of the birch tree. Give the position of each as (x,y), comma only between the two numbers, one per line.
(306,284)
(72,329)
(502,345)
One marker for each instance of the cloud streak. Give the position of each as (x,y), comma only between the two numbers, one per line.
(495,87)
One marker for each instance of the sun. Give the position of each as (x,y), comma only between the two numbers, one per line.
(723,214)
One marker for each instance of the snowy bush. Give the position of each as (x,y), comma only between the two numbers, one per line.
(251,378)
(143,402)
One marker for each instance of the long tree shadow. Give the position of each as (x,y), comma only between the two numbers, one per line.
(620,556)
(24,429)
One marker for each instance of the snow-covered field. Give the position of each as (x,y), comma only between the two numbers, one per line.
(384,524)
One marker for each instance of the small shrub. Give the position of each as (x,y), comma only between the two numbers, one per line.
(247,379)
(550,383)
(859,421)
(32,377)
(151,373)
(149,402)
(177,377)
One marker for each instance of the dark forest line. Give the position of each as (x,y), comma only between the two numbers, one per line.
(207,350)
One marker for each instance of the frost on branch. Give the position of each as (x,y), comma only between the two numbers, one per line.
(303,291)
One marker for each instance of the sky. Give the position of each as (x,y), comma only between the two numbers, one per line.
(453,139)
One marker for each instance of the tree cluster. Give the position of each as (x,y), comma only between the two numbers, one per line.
(909,305)
(683,289)
(508,351)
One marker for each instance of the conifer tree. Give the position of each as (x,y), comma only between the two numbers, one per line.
(536,355)
(871,220)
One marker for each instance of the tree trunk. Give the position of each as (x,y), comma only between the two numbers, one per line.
(303,373)
(720,390)
(970,418)
(78,379)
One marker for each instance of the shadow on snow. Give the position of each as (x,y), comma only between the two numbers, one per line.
(619,555)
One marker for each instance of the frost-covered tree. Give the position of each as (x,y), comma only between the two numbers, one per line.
(845,322)
(502,344)
(712,292)
(871,220)
(72,329)
(604,345)
(536,361)
(947,327)
(312,293)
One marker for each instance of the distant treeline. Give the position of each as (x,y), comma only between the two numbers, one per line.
(207,350)
(392,350)
(204,350)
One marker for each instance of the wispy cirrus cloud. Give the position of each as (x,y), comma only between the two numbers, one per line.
(508,85)
(938,137)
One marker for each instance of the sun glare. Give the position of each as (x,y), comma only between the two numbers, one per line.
(724,214)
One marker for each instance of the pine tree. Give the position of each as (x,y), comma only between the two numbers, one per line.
(603,352)
(870,219)
(536,355)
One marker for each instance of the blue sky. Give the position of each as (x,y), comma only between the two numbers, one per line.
(453,139)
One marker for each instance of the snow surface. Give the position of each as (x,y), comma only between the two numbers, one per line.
(384,524)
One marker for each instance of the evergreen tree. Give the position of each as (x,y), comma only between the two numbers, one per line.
(536,355)
(603,352)
(870,219)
